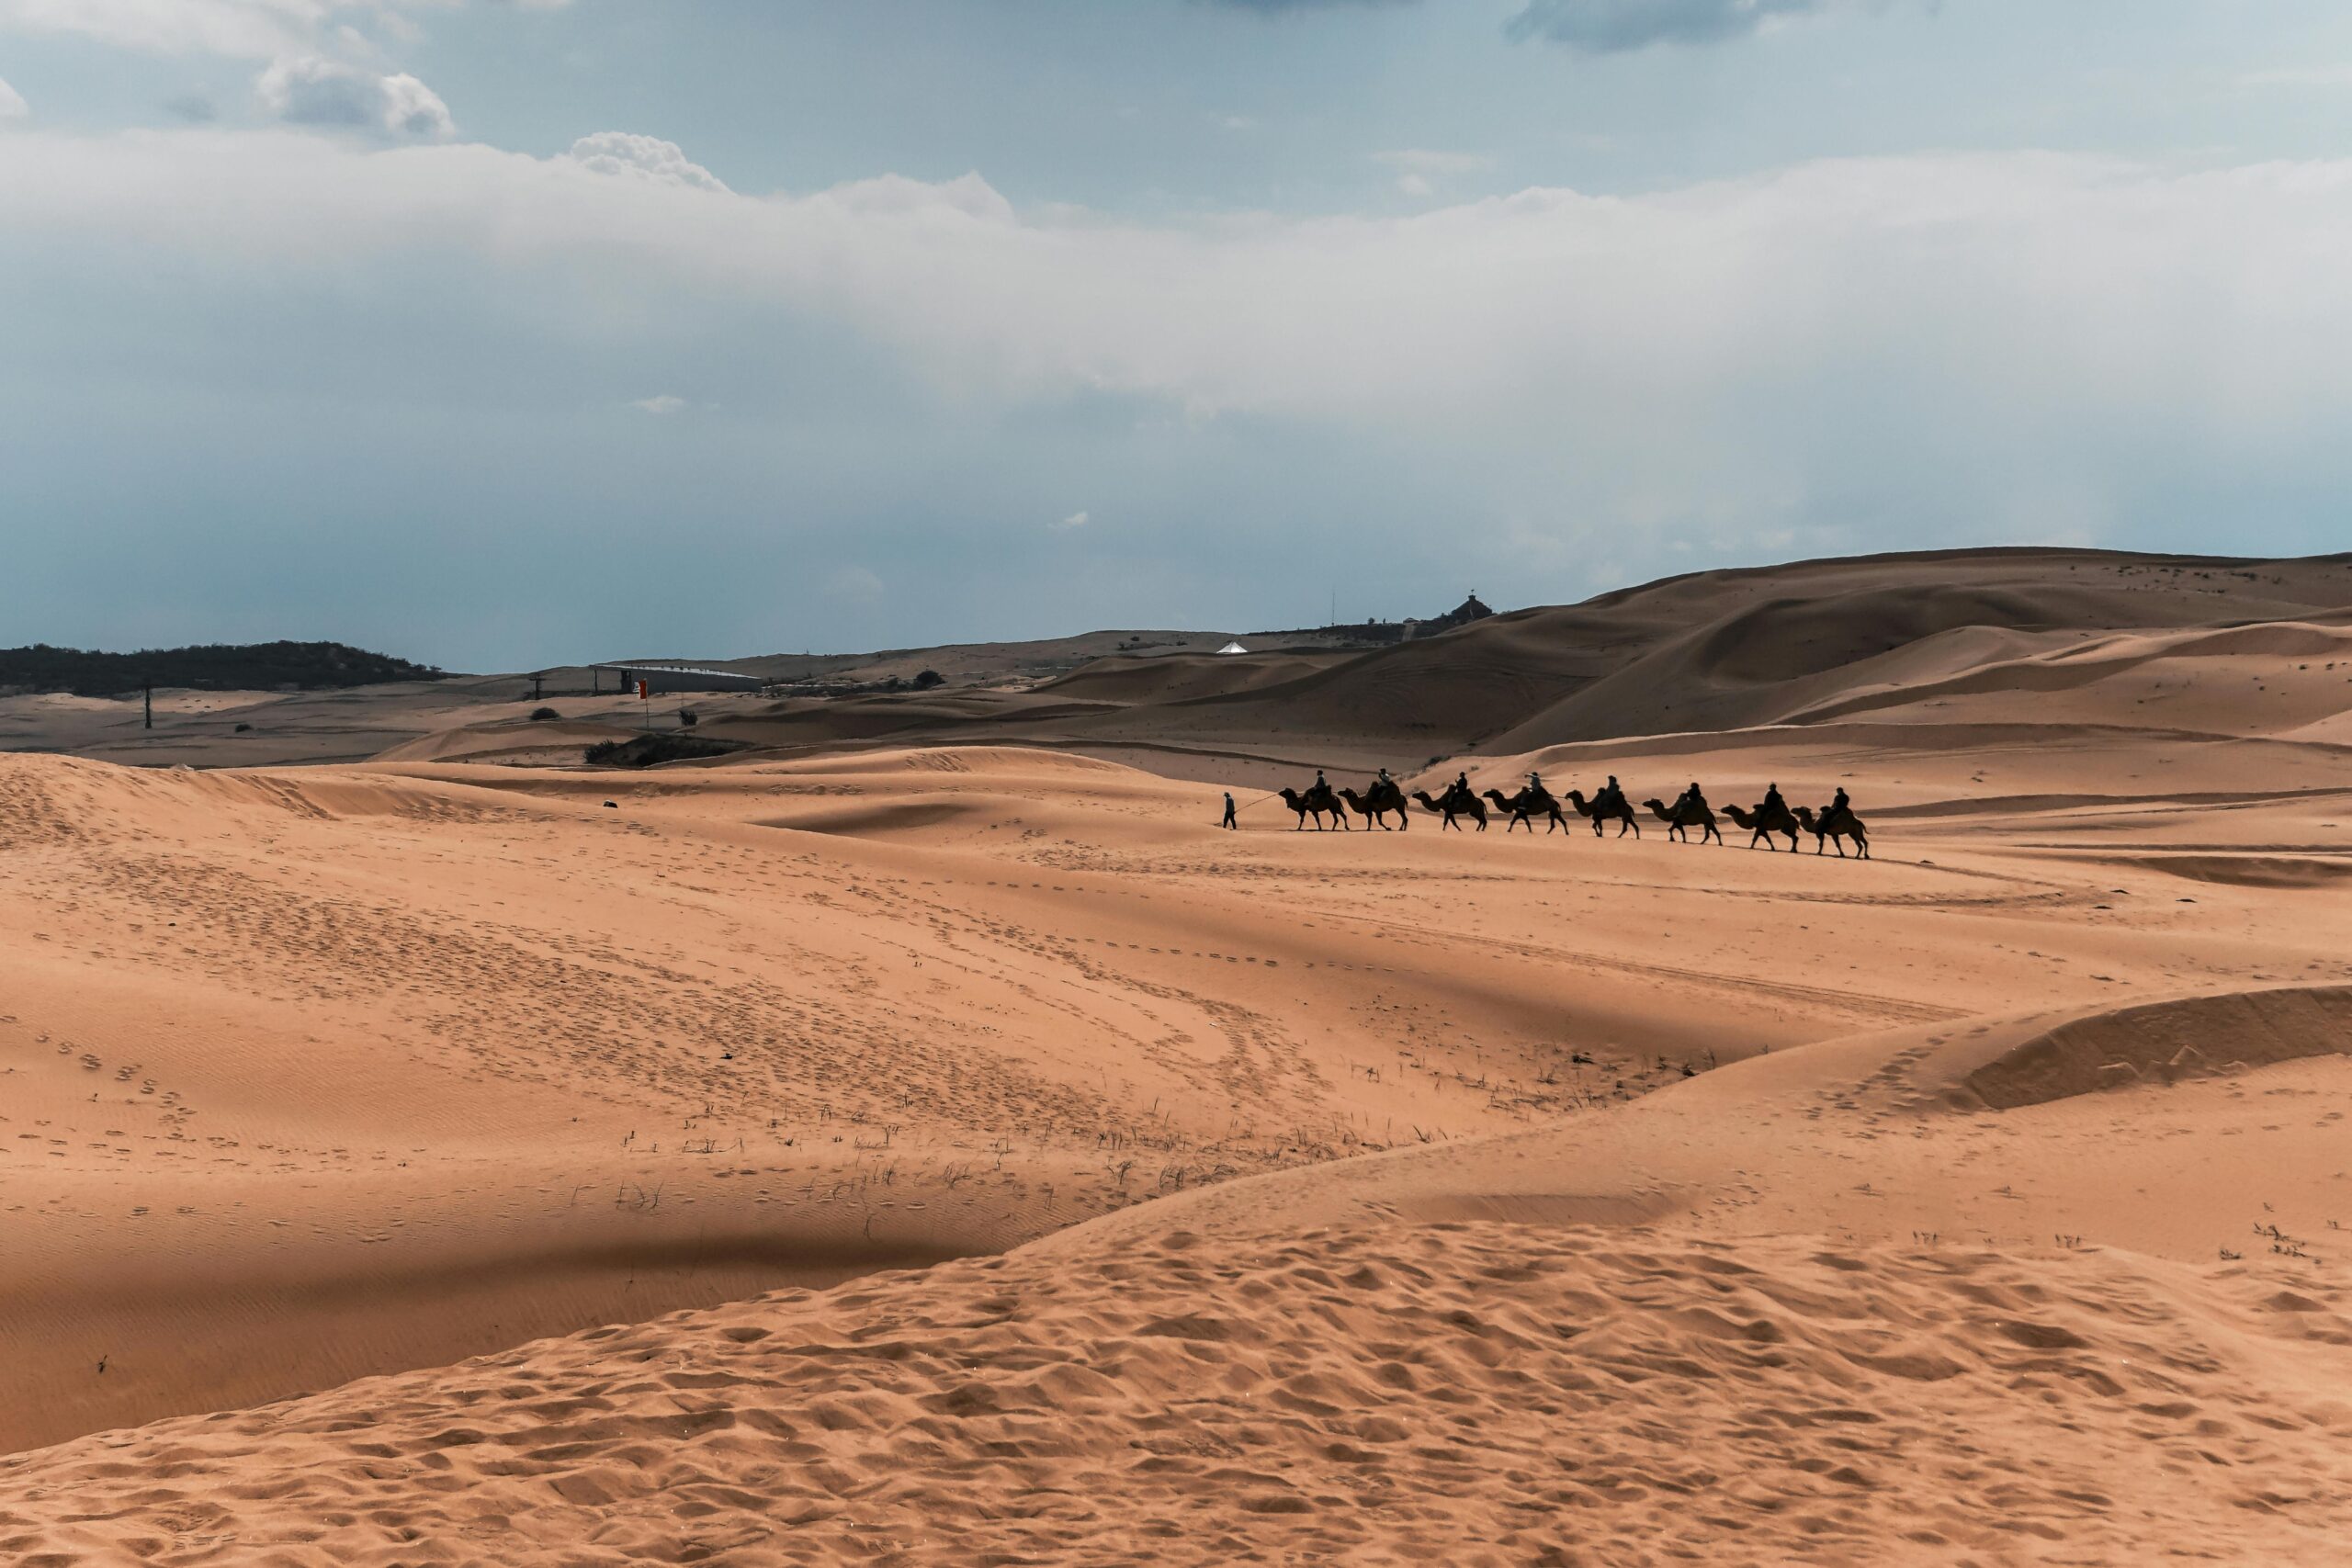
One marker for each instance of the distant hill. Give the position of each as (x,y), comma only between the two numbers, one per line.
(1902,638)
(214,667)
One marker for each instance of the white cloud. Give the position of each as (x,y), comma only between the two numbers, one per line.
(642,157)
(311,91)
(247,29)
(1419,169)
(665,403)
(12,103)
(967,195)
(1426,160)
(1934,327)
(1075,520)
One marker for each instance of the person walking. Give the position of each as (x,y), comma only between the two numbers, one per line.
(1229,821)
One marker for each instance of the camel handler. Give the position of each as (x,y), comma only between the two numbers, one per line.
(1229,821)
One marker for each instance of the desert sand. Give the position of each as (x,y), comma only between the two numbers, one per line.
(925,1136)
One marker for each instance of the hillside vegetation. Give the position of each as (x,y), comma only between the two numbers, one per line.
(211,667)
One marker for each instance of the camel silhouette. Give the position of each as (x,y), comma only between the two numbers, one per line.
(1522,808)
(1453,805)
(1845,826)
(1616,811)
(1679,821)
(1313,804)
(1761,823)
(1375,803)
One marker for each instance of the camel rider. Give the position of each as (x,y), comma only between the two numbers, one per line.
(1693,799)
(1838,810)
(1535,783)
(1459,791)
(1321,788)
(1773,801)
(1383,785)
(1612,794)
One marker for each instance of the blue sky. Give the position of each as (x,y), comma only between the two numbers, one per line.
(500,333)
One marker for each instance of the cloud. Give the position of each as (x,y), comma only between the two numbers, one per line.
(665,403)
(642,157)
(12,103)
(1606,26)
(967,195)
(1950,269)
(311,91)
(1276,7)
(853,585)
(1919,349)
(1420,170)
(1075,520)
(246,30)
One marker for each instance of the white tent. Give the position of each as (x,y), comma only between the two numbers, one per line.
(1233,647)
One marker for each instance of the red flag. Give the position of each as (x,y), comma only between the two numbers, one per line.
(644,689)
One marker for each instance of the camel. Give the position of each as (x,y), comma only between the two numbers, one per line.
(1682,819)
(1761,824)
(1321,796)
(1522,807)
(1453,805)
(1376,804)
(1310,804)
(1616,811)
(1845,826)
(1386,794)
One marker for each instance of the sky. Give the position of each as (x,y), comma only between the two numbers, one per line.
(504,333)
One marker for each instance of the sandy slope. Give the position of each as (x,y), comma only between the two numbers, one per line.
(1916,635)
(1473,1394)
(395,1065)
(1378,1196)
(473,1056)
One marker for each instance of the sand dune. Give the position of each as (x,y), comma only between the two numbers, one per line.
(1459,1393)
(1905,637)
(1139,1191)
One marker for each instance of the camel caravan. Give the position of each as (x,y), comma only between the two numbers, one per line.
(1765,823)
